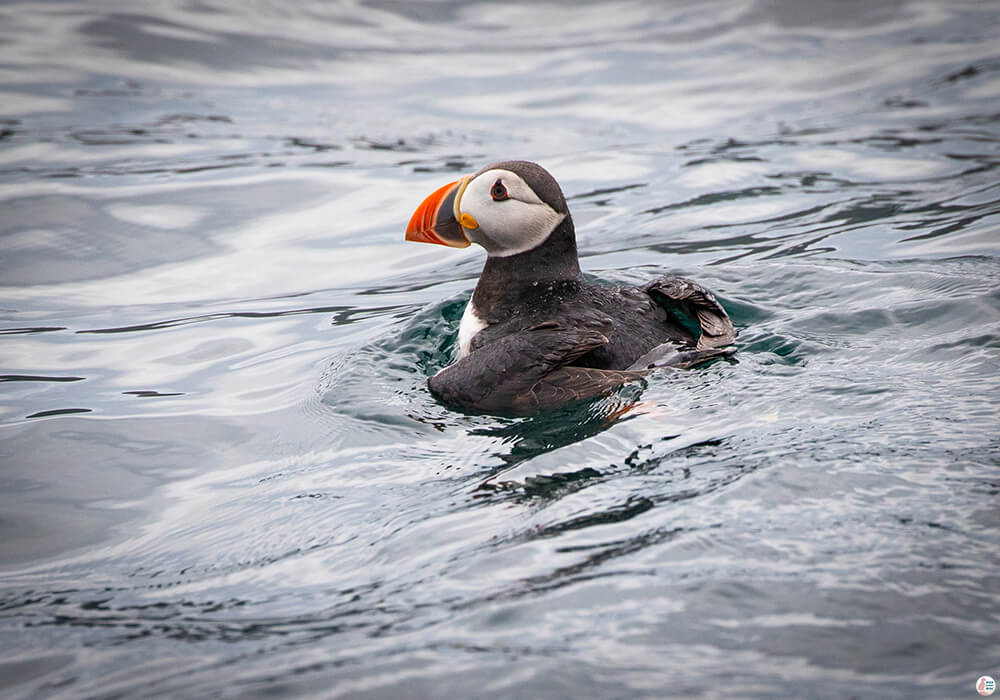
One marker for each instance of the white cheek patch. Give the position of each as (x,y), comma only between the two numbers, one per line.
(510,226)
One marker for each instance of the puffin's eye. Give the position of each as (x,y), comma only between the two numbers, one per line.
(499,192)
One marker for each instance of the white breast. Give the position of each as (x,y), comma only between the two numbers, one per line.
(471,324)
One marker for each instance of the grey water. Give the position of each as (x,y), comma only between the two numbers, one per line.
(221,473)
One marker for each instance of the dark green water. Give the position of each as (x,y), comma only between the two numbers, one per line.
(221,473)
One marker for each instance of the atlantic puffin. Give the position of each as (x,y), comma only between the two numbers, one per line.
(536,334)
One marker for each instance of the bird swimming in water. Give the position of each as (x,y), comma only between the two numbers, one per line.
(536,334)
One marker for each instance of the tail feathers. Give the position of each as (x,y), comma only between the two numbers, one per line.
(669,355)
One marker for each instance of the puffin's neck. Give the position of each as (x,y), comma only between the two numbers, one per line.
(505,281)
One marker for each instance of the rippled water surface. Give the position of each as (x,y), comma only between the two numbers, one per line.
(222,473)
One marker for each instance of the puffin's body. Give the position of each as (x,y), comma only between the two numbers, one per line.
(536,334)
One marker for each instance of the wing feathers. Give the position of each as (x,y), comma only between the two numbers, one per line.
(527,371)
(716,327)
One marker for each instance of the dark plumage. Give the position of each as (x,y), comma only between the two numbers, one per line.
(550,336)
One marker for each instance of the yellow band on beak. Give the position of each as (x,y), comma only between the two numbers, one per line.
(466,220)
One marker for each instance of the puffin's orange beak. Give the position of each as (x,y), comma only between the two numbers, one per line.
(436,220)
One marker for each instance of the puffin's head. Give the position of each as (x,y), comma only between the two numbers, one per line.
(508,208)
